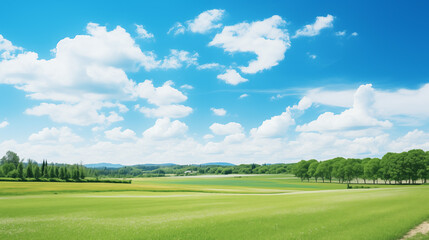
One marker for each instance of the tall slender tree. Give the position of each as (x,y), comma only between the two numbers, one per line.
(36,172)
(20,169)
(29,170)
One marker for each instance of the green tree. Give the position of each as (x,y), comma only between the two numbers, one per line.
(7,168)
(372,169)
(45,173)
(52,172)
(10,157)
(312,170)
(75,173)
(338,165)
(37,172)
(20,170)
(29,170)
(13,174)
(415,162)
(324,170)
(301,169)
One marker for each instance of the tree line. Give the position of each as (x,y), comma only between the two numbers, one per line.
(399,168)
(14,167)
(184,170)
(406,167)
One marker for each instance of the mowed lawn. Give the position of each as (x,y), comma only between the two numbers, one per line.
(244,210)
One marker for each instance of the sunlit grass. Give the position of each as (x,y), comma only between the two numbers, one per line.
(173,208)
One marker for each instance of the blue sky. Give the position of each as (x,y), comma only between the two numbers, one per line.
(193,82)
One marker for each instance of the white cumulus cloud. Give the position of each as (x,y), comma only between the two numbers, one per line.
(86,75)
(226,129)
(275,126)
(218,111)
(267,39)
(61,135)
(117,134)
(83,113)
(163,95)
(164,128)
(361,115)
(7,49)
(391,104)
(231,77)
(169,111)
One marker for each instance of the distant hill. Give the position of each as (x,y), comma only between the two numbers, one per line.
(155,164)
(218,164)
(103,165)
(151,165)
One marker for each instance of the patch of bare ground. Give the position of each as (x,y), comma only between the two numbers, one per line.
(423,228)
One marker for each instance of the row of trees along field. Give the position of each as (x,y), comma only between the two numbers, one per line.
(406,167)
(13,167)
(180,170)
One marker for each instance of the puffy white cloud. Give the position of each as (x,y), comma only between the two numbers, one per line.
(234,138)
(206,21)
(117,134)
(226,129)
(359,116)
(275,126)
(4,124)
(210,66)
(312,56)
(304,104)
(355,34)
(143,33)
(170,111)
(231,77)
(7,49)
(218,111)
(163,95)
(415,139)
(177,29)
(87,70)
(177,58)
(61,135)
(164,128)
(83,113)
(403,103)
(343,98)
(264,38)
(310,30)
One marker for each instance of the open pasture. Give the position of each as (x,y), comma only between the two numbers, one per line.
(247,207)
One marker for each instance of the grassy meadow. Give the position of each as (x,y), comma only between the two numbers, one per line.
(204,207)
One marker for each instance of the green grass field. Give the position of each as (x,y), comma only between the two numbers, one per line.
(250,207)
